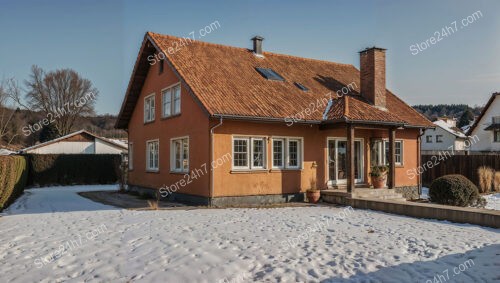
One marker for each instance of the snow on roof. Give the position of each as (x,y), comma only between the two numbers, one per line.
(73,134)
(4,151)
(452,130)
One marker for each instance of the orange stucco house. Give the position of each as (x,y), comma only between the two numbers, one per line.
(215,124)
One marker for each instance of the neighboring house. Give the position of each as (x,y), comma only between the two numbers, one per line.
(80,142)
(219,124)
(444,137)
(484,134)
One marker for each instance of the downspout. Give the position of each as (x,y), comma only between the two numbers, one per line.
(419,157)
(212,158)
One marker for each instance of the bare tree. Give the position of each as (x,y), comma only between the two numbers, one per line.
(6,115)
(62,95)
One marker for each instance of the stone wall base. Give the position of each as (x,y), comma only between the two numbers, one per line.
(409,192)
(220,201)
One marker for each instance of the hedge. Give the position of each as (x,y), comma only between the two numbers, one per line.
(13,177)
(73,169)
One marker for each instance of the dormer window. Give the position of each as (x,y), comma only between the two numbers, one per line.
(270,74)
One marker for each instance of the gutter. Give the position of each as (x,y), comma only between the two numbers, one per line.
(419,160)
(212,158)
(264,119)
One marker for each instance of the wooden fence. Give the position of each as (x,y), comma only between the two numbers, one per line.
(434,166)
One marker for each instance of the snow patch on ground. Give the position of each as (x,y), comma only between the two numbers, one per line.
(209,245)
(493,201)
(425,193)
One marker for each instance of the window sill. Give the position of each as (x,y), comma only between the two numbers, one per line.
(170,117)
(283,170)
(179,172)
(152,171)
(248,171)
(148,122)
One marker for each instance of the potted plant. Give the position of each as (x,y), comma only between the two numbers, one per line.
(313,194)
(378,176)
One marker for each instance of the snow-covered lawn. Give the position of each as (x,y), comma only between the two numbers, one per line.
(106,244)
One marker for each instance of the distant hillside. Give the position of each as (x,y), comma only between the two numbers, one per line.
(432,112)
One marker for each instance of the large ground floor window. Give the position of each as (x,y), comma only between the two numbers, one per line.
(337,160)
(380,152)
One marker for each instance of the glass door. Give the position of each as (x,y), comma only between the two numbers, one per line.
(337,161)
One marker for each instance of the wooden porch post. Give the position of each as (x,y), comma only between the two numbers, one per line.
(391,181)
(350,158)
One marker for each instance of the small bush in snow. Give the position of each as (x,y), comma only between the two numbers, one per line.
(455,190)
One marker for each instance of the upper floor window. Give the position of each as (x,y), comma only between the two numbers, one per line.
(495,120)
(171,100)
(149,108)
(428,139)
(496,136)
(439,138)
(152,155)
(179,155)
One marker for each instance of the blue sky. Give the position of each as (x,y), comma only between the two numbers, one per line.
(100,39)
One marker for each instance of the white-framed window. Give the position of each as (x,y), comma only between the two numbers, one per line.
(428,139)
(249,153)
(130,156)
(287,153)
(293,153)
(380,152)
(399,152)
(179,155)
(278,153)
(149,108)
(240,153)
(171,100)
(152,155)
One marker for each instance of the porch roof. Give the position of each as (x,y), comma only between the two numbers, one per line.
(355,109)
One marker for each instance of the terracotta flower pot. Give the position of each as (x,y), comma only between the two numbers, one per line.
(313,196)
(379,182)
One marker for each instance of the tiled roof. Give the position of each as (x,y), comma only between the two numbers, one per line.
(225,82)
(355,108)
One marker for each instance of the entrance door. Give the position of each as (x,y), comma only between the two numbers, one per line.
(337,161)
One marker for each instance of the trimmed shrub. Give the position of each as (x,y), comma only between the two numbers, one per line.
(13,177)
(455,190)
(73,169)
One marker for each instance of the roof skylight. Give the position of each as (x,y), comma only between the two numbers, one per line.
(270,74)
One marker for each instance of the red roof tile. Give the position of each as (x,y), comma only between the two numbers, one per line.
(225,82)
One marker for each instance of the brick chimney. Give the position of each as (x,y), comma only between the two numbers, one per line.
(372,72)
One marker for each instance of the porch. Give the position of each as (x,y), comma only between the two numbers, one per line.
(350,158)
